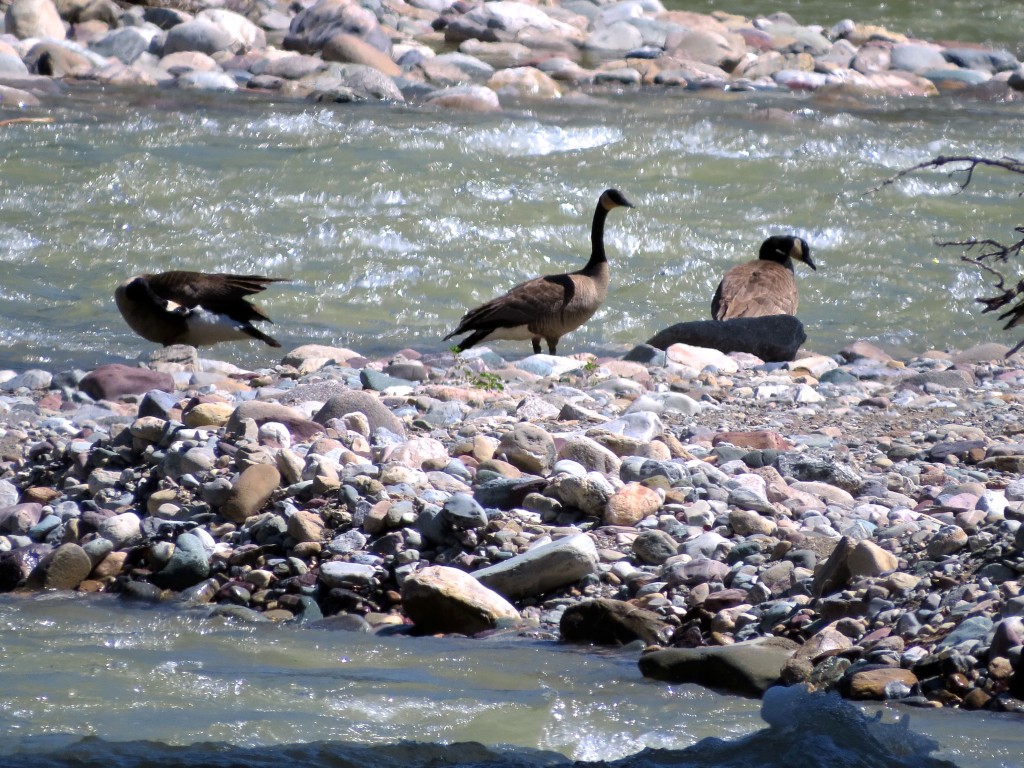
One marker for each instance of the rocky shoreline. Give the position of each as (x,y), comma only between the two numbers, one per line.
(454,54)
(852,522)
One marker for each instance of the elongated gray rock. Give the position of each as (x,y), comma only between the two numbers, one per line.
(775,338)
(748,669)
(262,411)
(540,570)
(360,402)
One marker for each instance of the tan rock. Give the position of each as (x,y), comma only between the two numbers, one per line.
(34,18)
(306,526)
(110,567)
(59,61)
(502,468)
(194,60)
(68,566)
(290,465)
(891,83)
(902,582)
(251,492)
(443,599)
(755,440)
(377,518)
(591,454)
(525,81)
(631,504)
(466,98)
(300,357)
(159,497)
(746,522)
(351,49)
(826,642)
(764,65)
(829,493)
(208,415)
(718,49)
(529,448)
(699,358)
(419,450)
(245,34)
(443,73)
(39,494)
(148,428)
(498,55)
(863,33)
(869,559)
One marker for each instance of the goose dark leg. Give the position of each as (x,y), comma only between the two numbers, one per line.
(552,343)
(536,345)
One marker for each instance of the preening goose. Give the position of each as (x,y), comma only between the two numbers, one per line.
(551,306)
(765,286)
(193,308)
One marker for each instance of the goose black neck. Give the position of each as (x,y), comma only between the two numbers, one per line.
(597,256)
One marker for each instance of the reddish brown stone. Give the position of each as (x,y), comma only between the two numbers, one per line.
(755,440)
(111,381)
(40,495)
(871,683)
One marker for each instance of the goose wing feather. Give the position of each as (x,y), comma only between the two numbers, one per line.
(524,304)
(224,293)
(755,289)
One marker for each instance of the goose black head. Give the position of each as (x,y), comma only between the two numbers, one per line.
(786,248)
(612,198)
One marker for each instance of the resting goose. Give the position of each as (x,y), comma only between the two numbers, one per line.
(551,306)
(193,308)
(765,286)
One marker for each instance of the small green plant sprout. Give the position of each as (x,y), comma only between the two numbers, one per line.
(488,381)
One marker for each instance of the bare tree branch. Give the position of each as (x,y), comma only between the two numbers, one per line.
(1006,163)
(985,250)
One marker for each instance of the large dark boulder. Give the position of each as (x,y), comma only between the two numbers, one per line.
(188,566)
(748,669)
(775,338)
(611,622)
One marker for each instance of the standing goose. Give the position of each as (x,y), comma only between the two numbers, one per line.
(551,306)
(765,286)
(193,308)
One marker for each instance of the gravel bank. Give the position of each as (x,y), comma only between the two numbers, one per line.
(860,514)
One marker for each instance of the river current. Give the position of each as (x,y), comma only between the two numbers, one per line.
(98,682)
(389,222)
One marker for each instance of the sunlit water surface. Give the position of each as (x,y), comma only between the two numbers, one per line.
(147,686)
(390,222)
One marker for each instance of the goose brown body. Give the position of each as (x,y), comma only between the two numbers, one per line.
(551,306)
(195,308)
(765,286)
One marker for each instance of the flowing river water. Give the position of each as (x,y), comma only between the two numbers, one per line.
(98,683)
(389,222)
